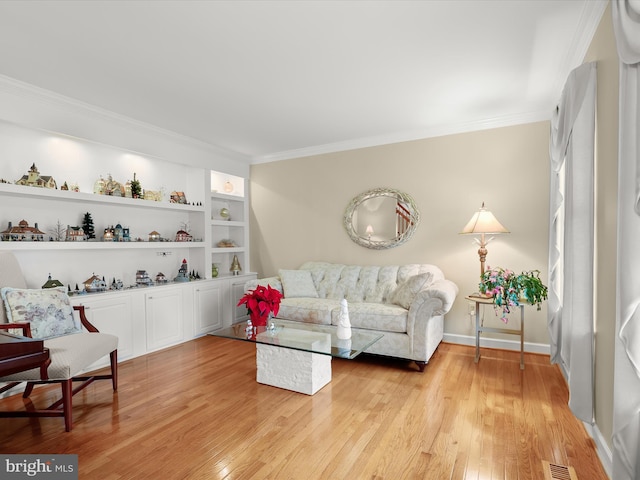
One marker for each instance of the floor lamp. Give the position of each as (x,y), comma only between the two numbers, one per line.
(483,223)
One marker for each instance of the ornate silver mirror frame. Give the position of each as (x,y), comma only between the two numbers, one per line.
(381,218)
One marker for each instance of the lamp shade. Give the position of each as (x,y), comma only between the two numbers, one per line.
(483,221)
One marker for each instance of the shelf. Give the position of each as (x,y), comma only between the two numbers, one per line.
(100,245)
(228,250)
(64,195)
(227,223)
(226,196)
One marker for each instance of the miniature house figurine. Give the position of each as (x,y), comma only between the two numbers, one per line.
(34,179)
(75,234)
(154,236)
(95,284)
(178,197)
(23,232)
(183,272)
(183,236)
(108,234)
(113,188)
(52,283)
(143,279)
(161,278)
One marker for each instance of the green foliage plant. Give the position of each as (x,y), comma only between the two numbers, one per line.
(509,289)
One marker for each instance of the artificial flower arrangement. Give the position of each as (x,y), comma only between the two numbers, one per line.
(509,289)
(261,302)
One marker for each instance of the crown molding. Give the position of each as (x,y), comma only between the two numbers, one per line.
(431,132)
(588,22)
(18,88)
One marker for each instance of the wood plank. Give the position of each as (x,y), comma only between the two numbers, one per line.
(195,411)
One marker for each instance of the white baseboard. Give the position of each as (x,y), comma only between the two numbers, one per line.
(503,344)
(603,450)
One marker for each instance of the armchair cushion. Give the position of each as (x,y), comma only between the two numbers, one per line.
(70,355)
(47,310)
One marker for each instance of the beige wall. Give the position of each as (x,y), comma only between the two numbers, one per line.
(603,51)
(297,208)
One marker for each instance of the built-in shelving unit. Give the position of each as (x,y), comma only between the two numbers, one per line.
(229,221)
(143,318)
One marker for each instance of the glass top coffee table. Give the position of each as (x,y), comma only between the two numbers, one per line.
(295,355)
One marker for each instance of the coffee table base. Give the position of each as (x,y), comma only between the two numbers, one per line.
(296,370)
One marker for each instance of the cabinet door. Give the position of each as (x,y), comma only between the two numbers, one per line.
(237,291)
(112,315)
(164,315)
(209,302)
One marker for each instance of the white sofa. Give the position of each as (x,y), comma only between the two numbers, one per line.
(406,303)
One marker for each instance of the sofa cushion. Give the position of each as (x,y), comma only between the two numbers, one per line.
(375,316)
(47,310)
(309,310)
(297,283)
(406,292)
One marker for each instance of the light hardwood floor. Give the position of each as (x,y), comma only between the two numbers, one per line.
(195,411)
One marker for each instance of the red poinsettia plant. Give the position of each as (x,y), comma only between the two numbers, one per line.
(261,302)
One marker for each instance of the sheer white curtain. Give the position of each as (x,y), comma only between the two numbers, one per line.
(626,390)
(571,237)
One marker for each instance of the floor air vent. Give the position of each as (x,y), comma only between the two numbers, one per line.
(558,472)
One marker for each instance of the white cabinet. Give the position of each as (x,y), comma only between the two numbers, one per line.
(111,314)
(216,303)
(237,291)
(164,317)
(210,298)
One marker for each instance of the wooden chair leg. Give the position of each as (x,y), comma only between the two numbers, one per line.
(114,369)
(67,403)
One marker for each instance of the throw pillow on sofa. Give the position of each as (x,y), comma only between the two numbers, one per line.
(407,291)
(297,283)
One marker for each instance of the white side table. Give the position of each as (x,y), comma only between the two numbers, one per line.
(510,331)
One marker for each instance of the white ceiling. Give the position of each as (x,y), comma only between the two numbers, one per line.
(278,79)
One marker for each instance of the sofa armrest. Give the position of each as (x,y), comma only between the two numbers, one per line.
(274,282)
(440,295)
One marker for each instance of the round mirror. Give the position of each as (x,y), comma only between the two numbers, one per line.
(381,218)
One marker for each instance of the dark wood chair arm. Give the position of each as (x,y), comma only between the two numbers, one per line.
(24,326)
(83,318)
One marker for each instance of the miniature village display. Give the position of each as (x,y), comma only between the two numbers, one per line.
(178,197)
(183,236)
(136,188)
(34,179)
(143,279)
(75,234)
(52,283)
(116,234)
(22,233)
(87,226)
(183,272)
(95,284)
